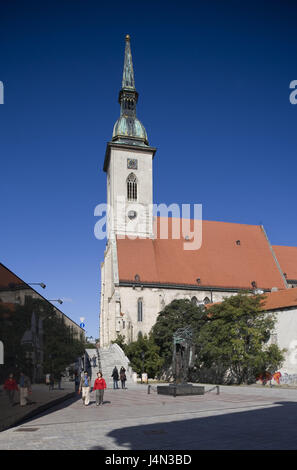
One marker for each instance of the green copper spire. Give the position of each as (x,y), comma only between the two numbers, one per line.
(128,73)
(128,129)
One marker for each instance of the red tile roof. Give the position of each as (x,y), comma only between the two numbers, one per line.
(287,258)
(7,278)
(281,299)
(220,262)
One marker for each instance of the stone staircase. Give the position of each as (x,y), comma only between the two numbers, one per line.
(110,357)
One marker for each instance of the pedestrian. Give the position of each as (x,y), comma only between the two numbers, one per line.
(94,360)
(25,389)
(123,377)
(76,382)
(60,377)
(99,386)
(51,382)
(115,376)
(11,386)
(85,388)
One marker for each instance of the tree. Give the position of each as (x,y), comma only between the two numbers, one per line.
(178,314)
(120,340)
(144,356)
(234,339)
(45,344)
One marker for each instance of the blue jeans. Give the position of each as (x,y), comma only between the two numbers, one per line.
(115,384)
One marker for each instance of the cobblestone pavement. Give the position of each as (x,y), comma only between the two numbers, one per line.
(237,418)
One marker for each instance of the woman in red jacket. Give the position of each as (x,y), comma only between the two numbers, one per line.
(99,386)
(10,386)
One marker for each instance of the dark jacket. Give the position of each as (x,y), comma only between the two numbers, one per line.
(122,374)
(115,374)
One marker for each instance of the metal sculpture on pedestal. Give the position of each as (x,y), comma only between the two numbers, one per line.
(183,354)
(182,360)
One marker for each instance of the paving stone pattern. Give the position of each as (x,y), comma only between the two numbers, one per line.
(238,418)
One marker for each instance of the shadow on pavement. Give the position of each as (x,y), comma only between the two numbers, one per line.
(271,428)
(51,408)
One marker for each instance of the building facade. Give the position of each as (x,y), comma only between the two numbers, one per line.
(142,270)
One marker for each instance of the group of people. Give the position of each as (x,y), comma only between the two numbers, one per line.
(119,376)
(50,381)
(84,385)
(11,386)
(85,388)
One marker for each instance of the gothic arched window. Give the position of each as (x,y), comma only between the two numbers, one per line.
(206,300)
(132,187)
(194,300)
(139,310)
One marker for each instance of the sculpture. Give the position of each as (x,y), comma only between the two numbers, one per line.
(183,354)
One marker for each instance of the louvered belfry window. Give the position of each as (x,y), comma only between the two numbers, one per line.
(132,187)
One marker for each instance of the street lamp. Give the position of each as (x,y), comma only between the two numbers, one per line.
(41,284)
(56,300)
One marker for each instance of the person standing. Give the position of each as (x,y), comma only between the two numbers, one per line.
(51,382)
(76,382)
(25,389)
(123,377)
(94,360)
(11,386)
(60,378)
(115,376)
(99,386)
(85,388)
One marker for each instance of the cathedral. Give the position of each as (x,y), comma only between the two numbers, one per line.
(143,270)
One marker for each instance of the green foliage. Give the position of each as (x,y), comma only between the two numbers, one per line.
(120,340)
(13,324)
(144,356)
(53,347)
(234,339)
(178,314)
(230,338)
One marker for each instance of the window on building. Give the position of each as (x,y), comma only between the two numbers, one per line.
(132,187)
(194,300)
(206,300)
(139,310)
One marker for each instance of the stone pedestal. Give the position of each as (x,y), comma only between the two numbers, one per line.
(180,389)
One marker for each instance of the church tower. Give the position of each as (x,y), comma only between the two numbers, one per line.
(129,167)
(128,164)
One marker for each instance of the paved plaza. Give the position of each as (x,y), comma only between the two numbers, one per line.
(238,418)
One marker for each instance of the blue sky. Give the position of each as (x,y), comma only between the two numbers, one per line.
(213,79)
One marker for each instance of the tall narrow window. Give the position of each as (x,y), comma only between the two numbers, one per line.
(139,310)
(194,300)
(132,187)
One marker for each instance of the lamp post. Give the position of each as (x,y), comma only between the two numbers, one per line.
(56,300)
(41,284)
(142,357)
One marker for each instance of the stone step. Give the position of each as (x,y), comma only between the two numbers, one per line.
(111,357)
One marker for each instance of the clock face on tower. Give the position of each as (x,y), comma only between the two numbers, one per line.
(132,163)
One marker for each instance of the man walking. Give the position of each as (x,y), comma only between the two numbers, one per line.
(115,376)
(85,388)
